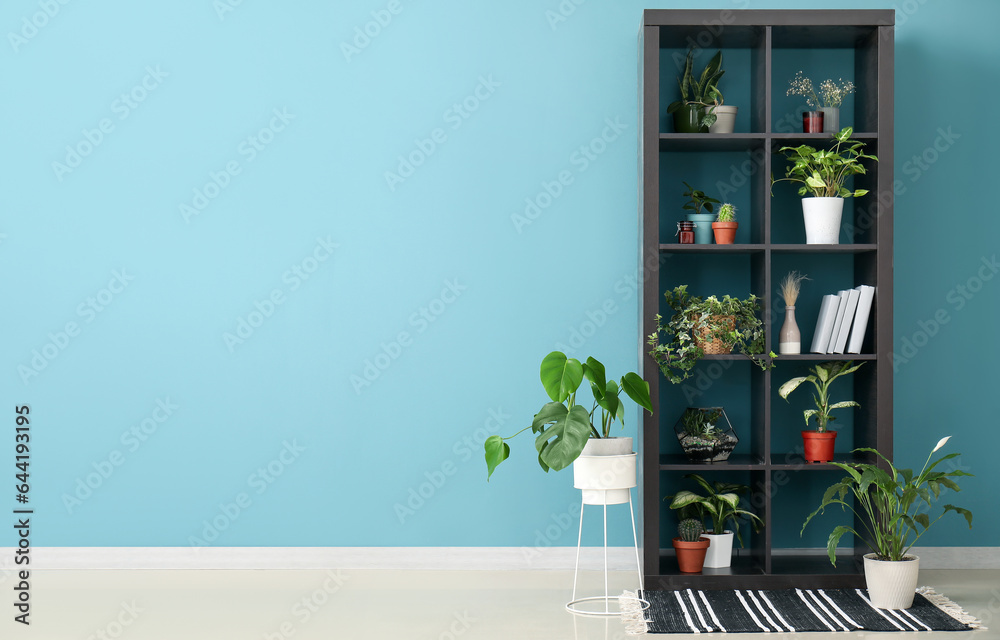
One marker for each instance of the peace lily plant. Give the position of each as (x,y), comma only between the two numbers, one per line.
(563,427)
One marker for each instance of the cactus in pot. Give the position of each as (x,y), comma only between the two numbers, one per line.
(690,529)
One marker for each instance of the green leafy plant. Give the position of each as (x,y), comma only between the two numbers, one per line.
(719,506)
(727,213)
(823,375)
(698,200)
(730,320)
(888,503)
(562,427)
(690,529)
(823,173)
(703,92)
(701,422)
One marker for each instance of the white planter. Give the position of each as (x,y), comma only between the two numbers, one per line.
(891,585)
(720,552)
(822,219)
(605,471)
(725,118)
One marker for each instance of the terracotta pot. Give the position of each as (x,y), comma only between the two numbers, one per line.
(725,232)
(691,555)
(819,445)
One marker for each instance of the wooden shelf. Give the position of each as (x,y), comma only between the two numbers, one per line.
(767,39)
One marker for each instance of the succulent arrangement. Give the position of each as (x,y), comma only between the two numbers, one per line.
(704,436)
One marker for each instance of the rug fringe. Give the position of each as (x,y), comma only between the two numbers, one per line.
(950,607)
(632,615)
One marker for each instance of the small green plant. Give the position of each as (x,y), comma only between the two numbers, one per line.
(823,173)
(690,529)
(701,422)
(720,505)
(823,375)
(703,92)
(727,213)
(563,427)
(731,320)
(887,503)
(698,200)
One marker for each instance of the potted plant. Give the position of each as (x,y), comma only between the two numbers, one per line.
(702,326)
(719,507)
(819,443)
(822,174)
(789,337)
(725,225)
(566,431)
(702,221)
(888,504)
(831,96)
(691,545)
(705,434)
(689,112)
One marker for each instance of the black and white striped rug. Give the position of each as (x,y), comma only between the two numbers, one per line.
(788,611)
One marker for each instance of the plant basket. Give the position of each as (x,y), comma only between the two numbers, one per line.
(713,346)
(705,434)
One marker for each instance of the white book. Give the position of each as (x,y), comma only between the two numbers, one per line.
(838,321)
(865,299)
(845,327)
(824,323)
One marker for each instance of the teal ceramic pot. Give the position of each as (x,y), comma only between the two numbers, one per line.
(702,227)
(686,119)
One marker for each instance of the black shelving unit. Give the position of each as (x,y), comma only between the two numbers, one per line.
(866,256)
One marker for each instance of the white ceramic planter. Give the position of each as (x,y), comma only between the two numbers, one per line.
(822,219)
(720,552)
(605,471)
(725,118)
(891,585)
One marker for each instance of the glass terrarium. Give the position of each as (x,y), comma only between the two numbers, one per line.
(705,434)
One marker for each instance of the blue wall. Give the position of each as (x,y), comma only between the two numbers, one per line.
(235,326)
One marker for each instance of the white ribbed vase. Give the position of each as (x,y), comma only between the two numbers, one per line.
(891,585)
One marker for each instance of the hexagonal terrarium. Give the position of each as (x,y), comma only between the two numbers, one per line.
(706,434)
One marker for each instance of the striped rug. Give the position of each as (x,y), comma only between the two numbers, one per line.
(787,611)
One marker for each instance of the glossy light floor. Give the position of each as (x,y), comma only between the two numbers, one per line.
(379,604)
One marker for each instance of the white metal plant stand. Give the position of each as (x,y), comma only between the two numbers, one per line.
(604,480)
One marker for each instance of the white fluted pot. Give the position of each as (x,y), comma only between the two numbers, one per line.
(891,585)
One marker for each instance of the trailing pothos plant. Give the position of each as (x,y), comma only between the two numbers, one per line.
(888,503)
(730,320)
(720,505)
(562,427)
(823,173)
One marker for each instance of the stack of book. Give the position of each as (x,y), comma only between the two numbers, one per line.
(843,320)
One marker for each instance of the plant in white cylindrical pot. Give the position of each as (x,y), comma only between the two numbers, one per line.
(720,506)
(822,174)
(889,501)
(566,432)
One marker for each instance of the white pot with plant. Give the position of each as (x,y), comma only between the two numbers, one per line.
(888,502)
(822,174)
(831,96)
(604,468)
(719,507)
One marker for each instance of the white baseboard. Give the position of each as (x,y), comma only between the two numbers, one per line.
(420,558)
(416,558)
